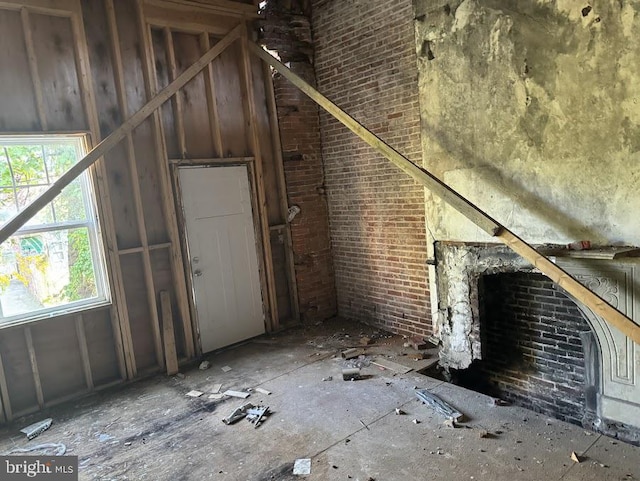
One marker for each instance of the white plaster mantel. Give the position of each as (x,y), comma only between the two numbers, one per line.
(459,269)
(617,282)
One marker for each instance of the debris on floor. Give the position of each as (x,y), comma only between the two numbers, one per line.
(204,365)
(263,391)
(351,374)
(35,429)
(256,415)
(399,412)
(240,394)
(216,388)
(238,413)
(226,368)
(394,366)
(576,458)
(418,343)
(46,449)
(328,378)
(439,405)
(195,393)
(415,421)
(302,466)
(450,423)
(365,341)
(351,353)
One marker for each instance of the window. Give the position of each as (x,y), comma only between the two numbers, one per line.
(54,263)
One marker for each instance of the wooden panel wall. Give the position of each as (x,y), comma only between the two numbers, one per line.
(88,65)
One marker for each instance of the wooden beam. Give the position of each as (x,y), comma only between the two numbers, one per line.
(282,190)
(434,184)
(4,393)
(171,358)
(34,366)
(119,313)
(84,351)
(121,93)
(212,106)
(33,68)
(176,99)
(116,136)
(168,200)
(254,140)
(462,205)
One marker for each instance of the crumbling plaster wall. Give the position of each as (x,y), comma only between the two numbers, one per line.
(531,110)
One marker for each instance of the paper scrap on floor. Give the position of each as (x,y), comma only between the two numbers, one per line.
(226,368)
(195,393)
(302,466)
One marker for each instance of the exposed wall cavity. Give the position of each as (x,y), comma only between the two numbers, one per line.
(532,111)
(460,267)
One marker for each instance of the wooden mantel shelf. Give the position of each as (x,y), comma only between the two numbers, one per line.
(602,253)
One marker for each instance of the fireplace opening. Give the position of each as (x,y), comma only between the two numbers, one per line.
(538,351)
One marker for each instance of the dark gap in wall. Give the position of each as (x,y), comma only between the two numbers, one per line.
(532,348)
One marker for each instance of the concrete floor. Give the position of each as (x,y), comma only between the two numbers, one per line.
(151,430)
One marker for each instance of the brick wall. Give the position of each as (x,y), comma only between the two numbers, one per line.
(532,351)
(286,29)
(366,63)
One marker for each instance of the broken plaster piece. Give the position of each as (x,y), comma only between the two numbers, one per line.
(195,393)
(293,211)
(216,388)
(35,429)
(204,365)
(263,391)
(302,466)
(226,368)
(240,394)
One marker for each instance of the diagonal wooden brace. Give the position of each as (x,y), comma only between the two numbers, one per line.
(462,205)
(117,135)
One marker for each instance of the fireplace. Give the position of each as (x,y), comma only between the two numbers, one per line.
(517,335)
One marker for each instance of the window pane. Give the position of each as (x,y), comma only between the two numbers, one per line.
(26,195)
(46,270)
(60,158)
(27,164)
(7,205)
(48,265)
(70,204)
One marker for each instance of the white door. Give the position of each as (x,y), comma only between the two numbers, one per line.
(222,250)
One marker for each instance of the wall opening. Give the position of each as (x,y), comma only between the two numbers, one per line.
(533,352)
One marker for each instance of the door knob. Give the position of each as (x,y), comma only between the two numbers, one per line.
(197,273)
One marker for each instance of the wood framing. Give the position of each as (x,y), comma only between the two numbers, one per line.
(115,137)
(107,69)
(462,205)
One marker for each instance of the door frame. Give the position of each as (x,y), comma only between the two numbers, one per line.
(248,162)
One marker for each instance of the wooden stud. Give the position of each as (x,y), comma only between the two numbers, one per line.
(262,202)
(118,71)
(186,270)
(115,137)
(33,67)
(167,334)
(226,7)
(34,366)
(54,8)
(176,99)
(84,351)
(213,161)
(469,210)
(212,107)
(119,313)
(4,393)
(282,189)
(169,206)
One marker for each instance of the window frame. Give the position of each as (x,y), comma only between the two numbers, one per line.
(92,223)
